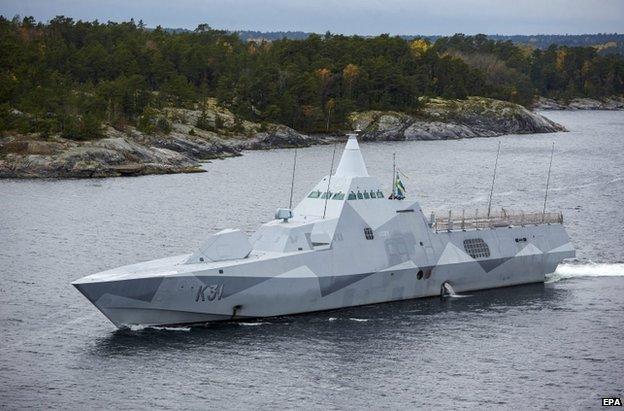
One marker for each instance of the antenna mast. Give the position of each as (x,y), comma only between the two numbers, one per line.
(393,174)
(331,170)
(292,183)
(493,179)
(552,152)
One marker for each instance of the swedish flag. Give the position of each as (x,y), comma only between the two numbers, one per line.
(399,188)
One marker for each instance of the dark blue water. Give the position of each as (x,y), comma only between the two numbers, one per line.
(553,345)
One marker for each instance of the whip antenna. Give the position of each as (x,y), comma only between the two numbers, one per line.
(331,170)
(552,152)
(292,182)
(393,175)
(493,179)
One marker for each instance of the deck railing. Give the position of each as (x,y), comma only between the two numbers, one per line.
(504,218)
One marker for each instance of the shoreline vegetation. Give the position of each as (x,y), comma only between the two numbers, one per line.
(185,146)
(88,99)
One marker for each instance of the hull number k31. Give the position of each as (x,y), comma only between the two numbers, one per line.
(209,292)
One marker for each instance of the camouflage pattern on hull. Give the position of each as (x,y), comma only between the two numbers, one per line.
(366,250)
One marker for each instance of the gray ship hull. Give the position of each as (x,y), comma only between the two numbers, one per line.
(255,290)
(346,244)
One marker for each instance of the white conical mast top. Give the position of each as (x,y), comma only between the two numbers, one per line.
(351,162)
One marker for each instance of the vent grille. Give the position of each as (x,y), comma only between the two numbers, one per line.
(476,248)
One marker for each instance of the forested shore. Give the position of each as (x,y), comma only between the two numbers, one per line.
(69,76)
(90,99)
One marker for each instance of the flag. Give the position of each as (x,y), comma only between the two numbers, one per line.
(399,188)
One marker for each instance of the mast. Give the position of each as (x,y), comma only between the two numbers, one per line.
(552,152)
(292,182)
(493,179)
(331,170)
(393,174)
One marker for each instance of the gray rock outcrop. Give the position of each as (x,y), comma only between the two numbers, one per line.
(132,152)
(453,119)
(609,103)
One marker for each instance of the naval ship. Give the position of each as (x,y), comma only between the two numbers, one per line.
(347,243)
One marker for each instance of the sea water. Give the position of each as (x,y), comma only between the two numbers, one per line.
(557,344)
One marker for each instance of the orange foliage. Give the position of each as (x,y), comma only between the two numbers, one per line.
(323,73)
(350,72)
(252,48)
(308,111)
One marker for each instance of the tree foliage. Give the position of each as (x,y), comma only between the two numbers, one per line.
(68,76)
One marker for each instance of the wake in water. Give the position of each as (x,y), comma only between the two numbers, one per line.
(566,271)
(158,328)
(358,320)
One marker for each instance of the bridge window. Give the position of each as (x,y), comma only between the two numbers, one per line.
(351,196)
(372,194)
(366,195)
(338,196)
(379,194)
(314,194)
(476,248)
(326,194)
(360,196)
(368,233)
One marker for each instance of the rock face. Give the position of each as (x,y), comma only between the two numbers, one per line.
(132,152)
(114,156)
(452,119)
(279,137)
(609,103)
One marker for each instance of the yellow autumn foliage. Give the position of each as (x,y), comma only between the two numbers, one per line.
(419,47)
(323,73)
(560,60)
(350,71)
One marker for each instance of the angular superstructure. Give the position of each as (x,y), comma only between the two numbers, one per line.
(345,244)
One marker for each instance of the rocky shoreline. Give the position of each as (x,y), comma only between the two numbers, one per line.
(610,103)
(133,152)
(453,119)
